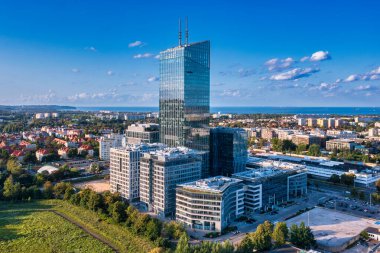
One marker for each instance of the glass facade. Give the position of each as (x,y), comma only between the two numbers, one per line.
(228,154)
(185,96)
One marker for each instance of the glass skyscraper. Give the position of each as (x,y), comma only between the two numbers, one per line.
(185,97)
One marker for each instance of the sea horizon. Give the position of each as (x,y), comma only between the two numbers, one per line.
(250,109)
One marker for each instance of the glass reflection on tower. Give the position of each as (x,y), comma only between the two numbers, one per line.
(185,96)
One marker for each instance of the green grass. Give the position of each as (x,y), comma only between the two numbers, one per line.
(25,230)
(54,234)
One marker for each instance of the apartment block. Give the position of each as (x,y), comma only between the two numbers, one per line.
(125,169)
(161,171)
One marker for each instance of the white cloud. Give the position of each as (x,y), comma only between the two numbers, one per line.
(303,59)
(279,64)
(110,73)
(352,78)
(231,93)
(369,76)
(294,74)
(320,56)
(363,87)
(75,70)
(157,57)
(91,48)
(136,43)
(153,79)
(376,71)
(141,56)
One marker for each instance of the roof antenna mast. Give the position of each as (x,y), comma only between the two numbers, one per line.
(187,33)
(179,33)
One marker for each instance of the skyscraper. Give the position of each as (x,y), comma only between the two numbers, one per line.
(185,96)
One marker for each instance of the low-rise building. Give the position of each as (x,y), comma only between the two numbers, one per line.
(210,204)
(41,153)
(340,144)
(142,133)
(268,184)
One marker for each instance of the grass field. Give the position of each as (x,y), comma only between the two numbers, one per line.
(23,230)
(26,227)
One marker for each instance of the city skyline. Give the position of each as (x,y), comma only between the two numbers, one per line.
(264,54)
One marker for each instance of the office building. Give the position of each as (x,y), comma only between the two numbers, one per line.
(322,168)
(184,97)
(210,204)
(107,142)
(268,185)
(125,169)
(161,171)
(306,139)
(228,151)
(142,133)
(340,144)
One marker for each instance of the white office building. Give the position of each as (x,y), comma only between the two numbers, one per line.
(210,204)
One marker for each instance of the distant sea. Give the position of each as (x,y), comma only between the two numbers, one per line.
(252,110)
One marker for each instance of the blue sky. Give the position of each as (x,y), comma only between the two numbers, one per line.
(264,53)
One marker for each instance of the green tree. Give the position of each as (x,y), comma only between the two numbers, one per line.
(334,178)
(118,213)
(48,190)
(301,236)
(183,244)
(14,167)
(301,148)
(378,185)
(60,188)
(140,224)
(314,150)
(288,145)
(246,245)
(280,234)
(11,190)
(95,201)
(68,193)
(364,235)
(347,179)
(277,144)
(261,238)
(153,229)
(295,234)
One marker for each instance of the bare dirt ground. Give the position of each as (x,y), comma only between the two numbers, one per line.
(100,185)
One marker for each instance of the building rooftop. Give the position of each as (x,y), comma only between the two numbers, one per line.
(268,171)
(318,162)
(146,127)
(171,153)
(213,184)
(141,147)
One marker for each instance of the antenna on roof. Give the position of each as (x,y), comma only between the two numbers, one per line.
(179,33)
(187,33)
